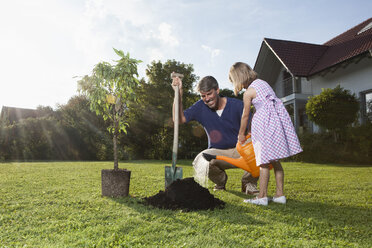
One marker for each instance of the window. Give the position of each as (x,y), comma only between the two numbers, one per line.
(303,119)
(366,102)
(287,83)
(368,105)
(290,110)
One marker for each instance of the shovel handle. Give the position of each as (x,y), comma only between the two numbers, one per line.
(176,123)
(176,120)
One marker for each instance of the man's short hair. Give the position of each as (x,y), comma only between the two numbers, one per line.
(206,84)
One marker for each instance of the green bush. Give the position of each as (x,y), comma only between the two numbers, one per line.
(51,139)
(333,109)
(358,143)
(354,146)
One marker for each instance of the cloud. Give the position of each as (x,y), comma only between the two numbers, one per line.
(131,26)
(213,52)
(155,54)
(165,35)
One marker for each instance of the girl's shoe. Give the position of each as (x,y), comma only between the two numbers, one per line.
(264,201)
(280,199)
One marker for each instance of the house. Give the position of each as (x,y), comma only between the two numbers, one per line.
(298,70)
(11,114)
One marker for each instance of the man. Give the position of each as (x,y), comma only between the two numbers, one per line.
(220,116)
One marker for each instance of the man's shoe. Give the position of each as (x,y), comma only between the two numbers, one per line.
(208,157)
(258,201)
(280,199)
(251,189)
(219,188)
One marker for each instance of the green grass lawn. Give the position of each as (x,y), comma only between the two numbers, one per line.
(59,204)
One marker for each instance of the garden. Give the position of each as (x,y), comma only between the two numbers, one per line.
(52,193)
(59,204)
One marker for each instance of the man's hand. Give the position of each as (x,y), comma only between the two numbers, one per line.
(177,81)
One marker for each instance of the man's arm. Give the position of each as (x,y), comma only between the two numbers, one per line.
(177,81)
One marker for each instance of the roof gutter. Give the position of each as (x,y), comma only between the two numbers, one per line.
(281,61)
(276,55)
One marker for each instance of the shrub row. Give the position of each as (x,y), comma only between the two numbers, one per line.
(353,146)
(49,139)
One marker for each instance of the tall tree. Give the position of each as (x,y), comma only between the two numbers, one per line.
(86,130)
(230,93)
(151,131)
(111,89)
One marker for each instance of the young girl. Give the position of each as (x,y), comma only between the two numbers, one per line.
(272,131)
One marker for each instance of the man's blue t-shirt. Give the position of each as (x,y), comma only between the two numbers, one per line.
(222,131)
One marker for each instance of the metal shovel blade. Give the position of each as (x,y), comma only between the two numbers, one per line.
(172,174)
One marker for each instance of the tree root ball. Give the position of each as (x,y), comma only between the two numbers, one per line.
(184,194)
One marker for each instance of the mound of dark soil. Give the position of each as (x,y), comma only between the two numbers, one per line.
(185,194)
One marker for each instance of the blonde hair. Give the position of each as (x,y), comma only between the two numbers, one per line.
(241,75)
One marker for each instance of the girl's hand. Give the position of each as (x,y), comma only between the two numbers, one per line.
(241,139)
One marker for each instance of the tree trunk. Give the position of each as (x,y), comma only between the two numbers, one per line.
(115,139)
(336,136)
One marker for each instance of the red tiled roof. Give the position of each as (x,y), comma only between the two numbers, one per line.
(341,52)
(304,59)
(350,34)
(298,57)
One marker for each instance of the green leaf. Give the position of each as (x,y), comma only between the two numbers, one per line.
(119,52)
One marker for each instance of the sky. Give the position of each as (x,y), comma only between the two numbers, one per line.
(47,45)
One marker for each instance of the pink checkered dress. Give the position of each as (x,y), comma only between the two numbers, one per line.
(273,134)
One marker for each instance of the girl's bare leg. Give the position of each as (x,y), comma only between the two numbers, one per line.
(264,180)
(279,178)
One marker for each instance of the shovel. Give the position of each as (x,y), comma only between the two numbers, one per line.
(172,173)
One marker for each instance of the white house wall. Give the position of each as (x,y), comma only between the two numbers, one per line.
(355,77)
(278,88)
(306,87)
